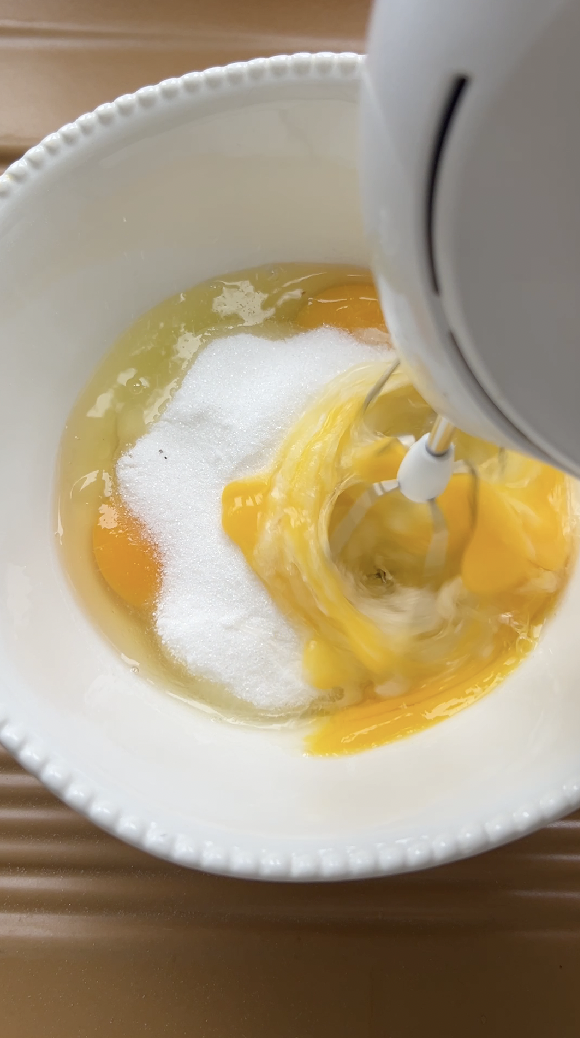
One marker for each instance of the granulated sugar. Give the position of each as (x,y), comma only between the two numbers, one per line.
(226,421)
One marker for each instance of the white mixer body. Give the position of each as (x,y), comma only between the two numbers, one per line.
(471,194)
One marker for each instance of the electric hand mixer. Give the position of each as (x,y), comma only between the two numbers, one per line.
(471,192)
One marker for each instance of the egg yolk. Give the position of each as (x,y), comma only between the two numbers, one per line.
(352,307)
(413,649)
(242,510)
(126,556)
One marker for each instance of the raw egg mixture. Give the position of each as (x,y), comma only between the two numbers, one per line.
(392,642)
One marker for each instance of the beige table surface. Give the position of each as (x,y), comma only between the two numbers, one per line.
(99,939)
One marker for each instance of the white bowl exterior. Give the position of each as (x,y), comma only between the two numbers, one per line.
(216,171)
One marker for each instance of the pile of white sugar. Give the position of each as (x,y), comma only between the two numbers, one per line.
(236,404)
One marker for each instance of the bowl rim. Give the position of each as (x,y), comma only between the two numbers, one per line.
(371,858)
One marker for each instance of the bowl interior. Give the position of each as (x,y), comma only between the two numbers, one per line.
(157,201)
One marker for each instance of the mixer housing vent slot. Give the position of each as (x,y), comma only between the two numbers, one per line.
(448,114)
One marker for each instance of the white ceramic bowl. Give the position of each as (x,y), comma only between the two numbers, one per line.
(146,196)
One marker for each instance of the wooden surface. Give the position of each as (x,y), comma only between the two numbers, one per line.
(59,58)
(99,939)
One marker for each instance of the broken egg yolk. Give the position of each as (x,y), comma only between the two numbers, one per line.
(406,648)
(126,556)
(242,503)
(352,307)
